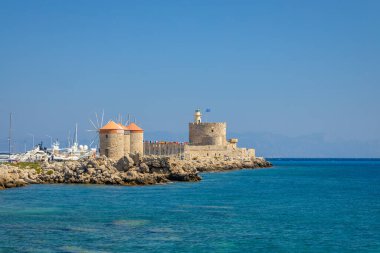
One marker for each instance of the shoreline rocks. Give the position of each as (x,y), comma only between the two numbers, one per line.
(130,170)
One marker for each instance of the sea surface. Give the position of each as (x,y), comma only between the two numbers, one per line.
(296,206)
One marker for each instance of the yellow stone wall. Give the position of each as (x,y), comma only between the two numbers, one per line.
(137,144)
(112,144)
(207,133)
(127,143)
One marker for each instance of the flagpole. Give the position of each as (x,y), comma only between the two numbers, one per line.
(206,112)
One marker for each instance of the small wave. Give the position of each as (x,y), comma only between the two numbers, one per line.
(37,210)
(130,223)
(207,207)
(75,249)
(83,229)
(161,230)
(166,238)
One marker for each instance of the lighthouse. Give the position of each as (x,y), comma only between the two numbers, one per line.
(197,116)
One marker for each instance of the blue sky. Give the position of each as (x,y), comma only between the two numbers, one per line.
(268,68)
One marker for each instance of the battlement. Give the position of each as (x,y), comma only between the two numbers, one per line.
(208,123)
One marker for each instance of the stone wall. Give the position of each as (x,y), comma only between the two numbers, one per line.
(216,151)
(190,151)
(112,144)
(127,143)
(207,133)
(164,148)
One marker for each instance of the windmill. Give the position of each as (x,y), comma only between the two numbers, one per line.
(95,129)
(128,120)
(119,119)
(97,123)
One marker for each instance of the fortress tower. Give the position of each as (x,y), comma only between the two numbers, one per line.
(206,133)
(209,140)
(111,138)
(136,139)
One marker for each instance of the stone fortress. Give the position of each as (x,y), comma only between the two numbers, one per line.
(209,140)
(206,140)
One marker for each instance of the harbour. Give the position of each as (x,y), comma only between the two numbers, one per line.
(296,205)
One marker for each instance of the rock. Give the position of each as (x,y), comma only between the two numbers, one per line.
(91,171)
(10,185)
(137,159)
(102,168)
(132,174)
(30,181)
(192,177)
(91,163)
(124,163)
(144,168)
(156,163)
(20,182)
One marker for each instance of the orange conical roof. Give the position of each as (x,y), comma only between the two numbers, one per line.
(134,128)
(111,125)
(124,127)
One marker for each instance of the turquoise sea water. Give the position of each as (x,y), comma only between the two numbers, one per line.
(297,206)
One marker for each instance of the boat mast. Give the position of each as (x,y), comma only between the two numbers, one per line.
(76,133)
(68,140)
(10,134)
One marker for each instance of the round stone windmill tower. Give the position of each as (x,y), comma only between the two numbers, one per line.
(111,138)
(136,139)
(127,140)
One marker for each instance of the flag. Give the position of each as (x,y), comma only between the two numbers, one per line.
(208,110)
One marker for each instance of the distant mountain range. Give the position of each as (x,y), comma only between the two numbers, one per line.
(277,145)
(270,145)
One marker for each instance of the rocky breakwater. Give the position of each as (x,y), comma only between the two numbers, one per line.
(130,170)
(221,164)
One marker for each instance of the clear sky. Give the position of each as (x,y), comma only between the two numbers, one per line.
(269,68)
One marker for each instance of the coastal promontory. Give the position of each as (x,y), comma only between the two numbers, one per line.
(129,170)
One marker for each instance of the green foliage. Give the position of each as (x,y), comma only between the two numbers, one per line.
(49,172)
(28,165)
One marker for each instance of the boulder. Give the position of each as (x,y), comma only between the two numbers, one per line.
(144,168)
(188,177)
(137,158)
(124,163)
